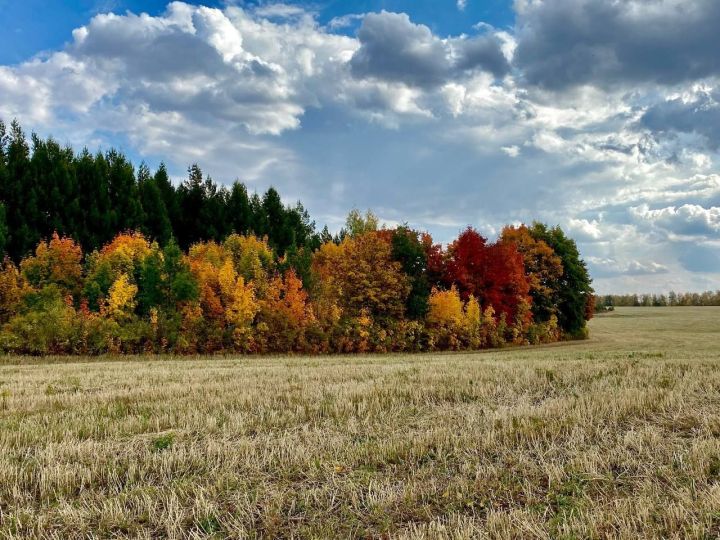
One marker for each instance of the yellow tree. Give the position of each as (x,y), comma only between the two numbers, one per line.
(126,253)
(121,299)
(445,308)
(362,276)
(238,297)
(12,288)
(252,257)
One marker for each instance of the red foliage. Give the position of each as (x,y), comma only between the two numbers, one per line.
(435,259)
(494,273)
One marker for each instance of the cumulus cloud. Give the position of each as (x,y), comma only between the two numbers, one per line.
(393,48)
(685,220)
(565,43)
(698,114)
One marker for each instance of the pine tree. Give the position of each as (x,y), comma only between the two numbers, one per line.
(410,253)
(191,198)
(21,198)
(126,210)
(279,234)
(258,221)
(3,230)
(238,208)
(95,228)
(169,196)
(157,224)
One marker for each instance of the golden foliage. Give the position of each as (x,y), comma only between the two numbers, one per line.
(121,298)
(446,307)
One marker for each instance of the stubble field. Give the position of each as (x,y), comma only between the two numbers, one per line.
(615,437)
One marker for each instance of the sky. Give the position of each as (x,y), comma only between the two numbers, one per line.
(600,116)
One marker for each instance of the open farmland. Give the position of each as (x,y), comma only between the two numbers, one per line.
(618,436)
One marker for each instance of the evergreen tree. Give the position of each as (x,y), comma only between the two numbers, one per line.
(213,223)
(95,227)
(55,181)
(157,222)
(325,236)
(302,227)
(151,291)
(238,209)
(258,221)
(181,285)
(126,210)
(409,251)
(3,230)
(280,235)
(3,187)
(191,199)
(169,196)
(20,197)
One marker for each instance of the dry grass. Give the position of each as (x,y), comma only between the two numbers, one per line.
(618,437)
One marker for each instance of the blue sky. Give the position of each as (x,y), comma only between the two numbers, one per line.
(603,117)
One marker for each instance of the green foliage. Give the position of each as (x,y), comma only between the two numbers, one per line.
(574,286)
(358,224)
(44,325)
(3,229)
(409,251)
(47,188)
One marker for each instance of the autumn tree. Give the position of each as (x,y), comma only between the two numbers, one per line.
(364,276)
(494,274)
(12,287)
(122,299)
(358,224)
(445,307)
(575,285)
(284,312)
(542,266)
(58,262)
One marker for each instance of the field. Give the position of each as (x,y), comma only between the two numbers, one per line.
(615,437)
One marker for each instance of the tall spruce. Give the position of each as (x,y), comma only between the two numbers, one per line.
(126,210)
(157,224)
(20,197)
(238,209)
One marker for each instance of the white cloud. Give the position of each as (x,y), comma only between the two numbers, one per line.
(512,151)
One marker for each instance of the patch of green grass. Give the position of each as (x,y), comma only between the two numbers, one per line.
(163,442)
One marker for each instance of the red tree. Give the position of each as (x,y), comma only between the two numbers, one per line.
(493,273)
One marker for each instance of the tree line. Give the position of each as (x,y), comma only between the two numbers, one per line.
(610,301)
(45,187)
(202,269)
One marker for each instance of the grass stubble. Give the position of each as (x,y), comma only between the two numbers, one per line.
(615,437)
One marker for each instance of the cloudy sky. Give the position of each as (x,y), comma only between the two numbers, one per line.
(602,116)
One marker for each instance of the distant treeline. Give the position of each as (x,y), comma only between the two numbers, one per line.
(47,188)
(610,301)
